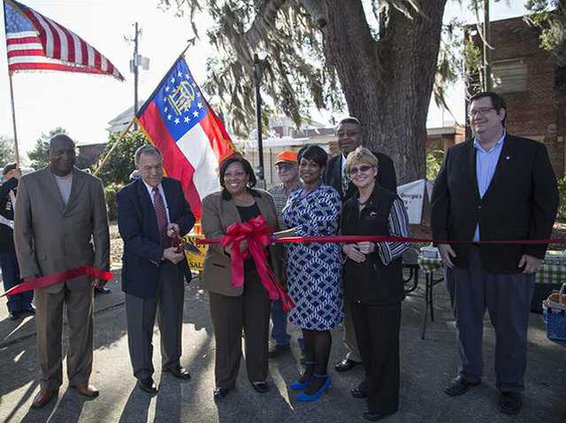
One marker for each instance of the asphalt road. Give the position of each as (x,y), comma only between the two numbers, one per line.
(426,366)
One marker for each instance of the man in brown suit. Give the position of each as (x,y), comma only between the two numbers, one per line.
(61,223)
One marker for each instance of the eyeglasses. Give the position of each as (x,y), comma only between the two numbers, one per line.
(479,112)
(284,166)
(348,134)
(362,168)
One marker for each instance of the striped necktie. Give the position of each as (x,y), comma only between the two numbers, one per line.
(161,215)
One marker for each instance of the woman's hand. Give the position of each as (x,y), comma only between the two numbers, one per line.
(353,253)
(366,247)
(243,247)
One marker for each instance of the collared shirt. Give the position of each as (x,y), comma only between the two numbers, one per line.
(160,188)
(345,179)
(280,198)
(486,162)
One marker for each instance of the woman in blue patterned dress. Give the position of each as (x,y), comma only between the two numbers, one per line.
(314,269)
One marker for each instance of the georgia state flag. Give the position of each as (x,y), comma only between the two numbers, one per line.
(180,123)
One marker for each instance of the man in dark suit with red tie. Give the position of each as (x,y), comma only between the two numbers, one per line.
(152,211)
(494,187)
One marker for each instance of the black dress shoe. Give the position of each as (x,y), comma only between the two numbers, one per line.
(261,387)
(510,402)
(179,373)
(375,416)
(345,365)
(148,385)
(220,393)
(459,386)
(360,391)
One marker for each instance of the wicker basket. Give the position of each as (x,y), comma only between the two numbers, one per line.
(554,315)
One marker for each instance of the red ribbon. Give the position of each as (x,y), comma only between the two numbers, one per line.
(45,281)
(257,234)
(387,238)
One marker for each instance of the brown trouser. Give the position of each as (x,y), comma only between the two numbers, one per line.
(49,324)
(249,311)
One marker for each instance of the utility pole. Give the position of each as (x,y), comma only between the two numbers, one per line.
(257,82)
(486,47)
(136,62)
(135,59)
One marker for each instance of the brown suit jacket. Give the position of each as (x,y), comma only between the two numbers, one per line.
(217,215)
(51,238)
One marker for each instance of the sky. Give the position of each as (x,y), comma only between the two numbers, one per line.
(84,104)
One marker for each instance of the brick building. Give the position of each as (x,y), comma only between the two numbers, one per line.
(534,88)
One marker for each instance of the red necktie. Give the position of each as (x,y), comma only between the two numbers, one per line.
(161,215)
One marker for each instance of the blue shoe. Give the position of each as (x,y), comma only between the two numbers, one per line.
(304,397)
(300,386)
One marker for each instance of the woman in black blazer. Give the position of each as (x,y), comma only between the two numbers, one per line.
(373,281)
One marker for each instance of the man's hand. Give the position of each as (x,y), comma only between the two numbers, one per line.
(172,255)
(173,230)
(353,253)
(531,264)
(98,283)
(446,254)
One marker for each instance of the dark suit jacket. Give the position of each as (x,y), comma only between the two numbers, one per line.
(137,223)
(7,211)
(385,175)
(520,203)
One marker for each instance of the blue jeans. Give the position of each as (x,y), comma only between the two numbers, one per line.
(11,277)
(279,319)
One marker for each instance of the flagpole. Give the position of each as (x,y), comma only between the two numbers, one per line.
(16,150)
(107,156)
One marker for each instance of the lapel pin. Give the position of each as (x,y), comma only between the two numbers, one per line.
(507,157)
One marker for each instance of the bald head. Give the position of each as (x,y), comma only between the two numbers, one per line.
(62,156)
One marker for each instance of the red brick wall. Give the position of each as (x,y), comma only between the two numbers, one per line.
(539,112)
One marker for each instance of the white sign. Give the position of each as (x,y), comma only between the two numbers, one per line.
(412,195)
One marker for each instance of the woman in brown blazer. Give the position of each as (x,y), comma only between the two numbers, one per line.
(246,307)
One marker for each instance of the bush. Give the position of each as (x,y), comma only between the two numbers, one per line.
(434,160)
(110,192)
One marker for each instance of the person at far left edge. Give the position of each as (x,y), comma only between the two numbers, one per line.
(60,224)
(152,210)
(18,304)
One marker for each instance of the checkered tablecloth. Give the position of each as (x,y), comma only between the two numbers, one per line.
(552,270)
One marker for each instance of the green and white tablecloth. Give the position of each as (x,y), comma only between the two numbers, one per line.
(552,271)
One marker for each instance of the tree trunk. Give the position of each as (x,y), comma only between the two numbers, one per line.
(387,83)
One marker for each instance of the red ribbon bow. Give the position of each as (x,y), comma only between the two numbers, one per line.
(256,232)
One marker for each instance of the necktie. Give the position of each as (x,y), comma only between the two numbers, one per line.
(161,215)
(345,181)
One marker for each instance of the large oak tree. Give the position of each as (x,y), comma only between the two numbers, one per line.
(381,58)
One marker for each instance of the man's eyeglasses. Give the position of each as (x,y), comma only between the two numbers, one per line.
(284,166)
(362,168)
(479,112)
(348,134)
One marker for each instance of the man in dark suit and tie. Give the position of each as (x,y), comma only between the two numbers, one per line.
(493,187)
(152,211)
(349,132)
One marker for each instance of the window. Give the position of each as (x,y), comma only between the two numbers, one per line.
(509,76)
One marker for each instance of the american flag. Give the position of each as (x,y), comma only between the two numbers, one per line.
(35,42)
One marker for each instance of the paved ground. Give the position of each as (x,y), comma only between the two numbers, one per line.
(426,366)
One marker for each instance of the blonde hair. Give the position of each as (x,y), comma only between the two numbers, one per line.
(361,155)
